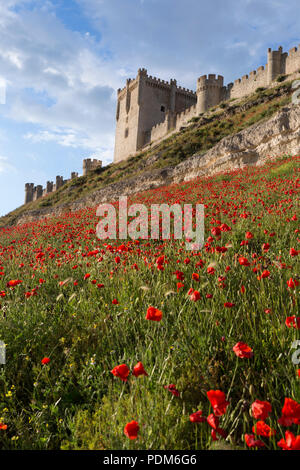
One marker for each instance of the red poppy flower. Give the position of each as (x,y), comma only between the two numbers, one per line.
(213,421)
(154,314)
(262,429)
(244,261)
(290,413)
(291,442)
(197,417)
(139,370)
(13,283)
(249,235)
(252,442)
(242,350)
(3,426)
(45,360)
(294,252)
(292,283)
(218,401)
(293,322)
(172,389)
(229,305)
(195,296)
(131,430)
(121,371)
(261,409)
(195,277)
(216,231)
(115,302)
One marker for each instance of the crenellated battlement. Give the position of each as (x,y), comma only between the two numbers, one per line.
(149,108)
(32,192)
(145,118)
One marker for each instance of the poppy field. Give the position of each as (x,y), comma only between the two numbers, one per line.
(142,344)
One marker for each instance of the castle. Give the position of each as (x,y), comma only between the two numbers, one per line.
(148,109)
(32,193)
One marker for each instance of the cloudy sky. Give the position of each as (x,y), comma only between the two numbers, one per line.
(61,62)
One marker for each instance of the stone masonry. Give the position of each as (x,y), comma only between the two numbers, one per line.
(32,193)
(148,108)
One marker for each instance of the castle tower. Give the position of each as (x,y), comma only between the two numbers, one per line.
(28,192)
(209,92)
(142,104)
(37,192)
(90,164)
(59,182)
(49,187)
(276,64)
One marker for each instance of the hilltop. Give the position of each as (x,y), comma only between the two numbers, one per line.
(181,155)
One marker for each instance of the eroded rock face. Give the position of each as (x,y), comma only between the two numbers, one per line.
(278,136)
(253,146)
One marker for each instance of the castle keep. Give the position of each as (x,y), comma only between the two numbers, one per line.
(149,108)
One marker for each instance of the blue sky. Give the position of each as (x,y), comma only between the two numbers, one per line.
(62,61)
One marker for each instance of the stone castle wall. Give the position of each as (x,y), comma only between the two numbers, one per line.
(149,108)
(32,193)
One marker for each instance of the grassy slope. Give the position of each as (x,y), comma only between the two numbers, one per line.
(203,133)
(74,402)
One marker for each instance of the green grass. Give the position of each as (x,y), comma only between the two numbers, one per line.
(75,402)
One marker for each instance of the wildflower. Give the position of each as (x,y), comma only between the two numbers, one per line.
(229,305)
(252,442)
(195,296)
(13,283)
(139,370)
(262,429)
(293,321)
(218,401)
(197,417)
(154,314)
(292,283)
(210,270)
(45,360)
(115,302)
(261,409)
(290,442)
(122,371)
(249,235)
(131,429)
(172,388)
(242,350)
(290,413)
(244,261)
